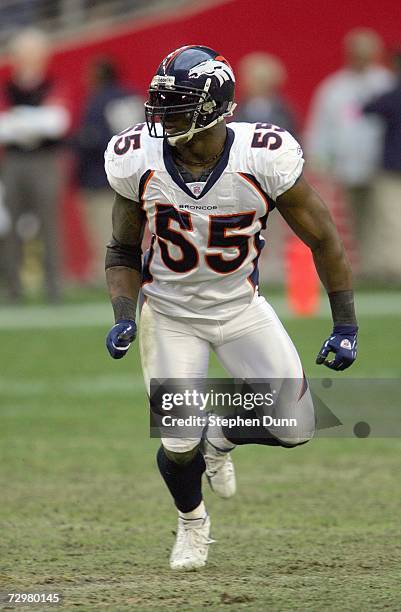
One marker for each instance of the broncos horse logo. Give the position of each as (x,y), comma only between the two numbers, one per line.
(221,71)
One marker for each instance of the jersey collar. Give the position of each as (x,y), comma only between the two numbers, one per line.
(214,176)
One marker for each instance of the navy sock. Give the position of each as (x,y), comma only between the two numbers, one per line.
(183,481)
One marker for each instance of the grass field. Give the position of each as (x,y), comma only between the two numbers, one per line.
(83,510)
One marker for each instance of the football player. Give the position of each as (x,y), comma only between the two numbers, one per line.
(205,189)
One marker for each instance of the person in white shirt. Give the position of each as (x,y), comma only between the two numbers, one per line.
(34,119)
(340,140)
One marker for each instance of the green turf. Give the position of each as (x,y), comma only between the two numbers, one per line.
(83,510)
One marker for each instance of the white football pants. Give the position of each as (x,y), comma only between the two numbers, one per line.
(254,344)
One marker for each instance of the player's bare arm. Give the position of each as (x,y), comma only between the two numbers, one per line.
(123,271)
(310,219)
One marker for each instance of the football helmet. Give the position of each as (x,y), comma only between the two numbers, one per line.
(193,86)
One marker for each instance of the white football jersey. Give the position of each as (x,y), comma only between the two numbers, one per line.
(203,258)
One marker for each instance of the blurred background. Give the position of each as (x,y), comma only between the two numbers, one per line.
(83,511)
(73,72)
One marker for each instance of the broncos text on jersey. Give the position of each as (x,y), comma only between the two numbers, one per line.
(203,257)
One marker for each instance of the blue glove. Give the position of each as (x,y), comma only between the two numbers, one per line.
(120,337)
(343,343)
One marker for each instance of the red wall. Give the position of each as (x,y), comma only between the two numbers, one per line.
(306,34)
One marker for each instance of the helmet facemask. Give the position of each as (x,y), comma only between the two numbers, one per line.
(168,101)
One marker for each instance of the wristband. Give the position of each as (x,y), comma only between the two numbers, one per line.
(124,308)
(345,329)
(342,307)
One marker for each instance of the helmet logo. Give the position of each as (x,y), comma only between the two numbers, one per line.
(221,71)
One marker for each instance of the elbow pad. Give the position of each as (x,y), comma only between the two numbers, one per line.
(126,255)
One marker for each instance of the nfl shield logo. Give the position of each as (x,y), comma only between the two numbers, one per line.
(196,189)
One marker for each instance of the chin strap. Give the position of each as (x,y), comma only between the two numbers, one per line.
(183,138)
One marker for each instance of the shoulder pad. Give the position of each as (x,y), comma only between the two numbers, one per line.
(276,158)
(125,161)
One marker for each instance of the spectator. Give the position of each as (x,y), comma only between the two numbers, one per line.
(261,77)
(109,109)
(340,140)
(385,238)
(33,121)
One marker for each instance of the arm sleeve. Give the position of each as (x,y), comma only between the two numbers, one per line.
(33,122)
(278,171)
(122,172)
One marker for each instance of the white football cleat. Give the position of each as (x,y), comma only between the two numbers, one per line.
(219,470)
(192,544)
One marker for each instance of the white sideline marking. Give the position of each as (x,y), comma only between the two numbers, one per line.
(46,317)
(123,384)
(100,314)
(87,385)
